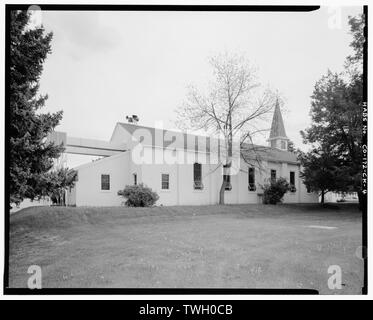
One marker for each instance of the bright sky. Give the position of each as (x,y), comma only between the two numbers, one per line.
(106,65)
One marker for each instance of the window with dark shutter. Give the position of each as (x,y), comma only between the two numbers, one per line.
(135,178)
(105,182)
(227,179)
(252,186)
(165,181)
(197,176)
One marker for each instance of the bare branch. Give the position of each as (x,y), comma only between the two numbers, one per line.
(233,104)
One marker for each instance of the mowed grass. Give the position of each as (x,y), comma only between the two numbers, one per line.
(232,246)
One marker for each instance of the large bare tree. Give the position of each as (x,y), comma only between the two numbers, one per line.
(232,107)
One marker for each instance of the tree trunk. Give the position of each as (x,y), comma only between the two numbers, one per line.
(222,191)
(227,166)
(63,198)
(226,172)
(322,196)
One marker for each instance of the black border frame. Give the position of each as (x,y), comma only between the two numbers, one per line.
(143,291)
(365,142)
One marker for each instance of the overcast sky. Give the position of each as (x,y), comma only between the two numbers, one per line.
(105,65)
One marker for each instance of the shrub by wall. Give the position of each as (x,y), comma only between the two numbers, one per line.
(138,196)
(275,191)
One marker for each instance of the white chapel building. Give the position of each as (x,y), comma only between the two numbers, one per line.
(183,169)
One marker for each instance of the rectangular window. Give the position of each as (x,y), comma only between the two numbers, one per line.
(165,181)
(273,175)
(197,176)
(105,182)
(292,181)
(252,186)
(228,185)
(135,178)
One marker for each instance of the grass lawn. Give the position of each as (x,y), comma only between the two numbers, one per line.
(235,246)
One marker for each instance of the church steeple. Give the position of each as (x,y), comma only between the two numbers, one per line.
(277,138)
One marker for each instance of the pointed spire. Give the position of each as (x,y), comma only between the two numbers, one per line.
(277,128)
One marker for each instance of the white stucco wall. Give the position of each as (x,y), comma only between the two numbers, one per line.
(307,197)
(291,197)
(88,187)
(181,192)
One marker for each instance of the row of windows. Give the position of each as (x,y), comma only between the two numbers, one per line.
(105,181)
(197,179)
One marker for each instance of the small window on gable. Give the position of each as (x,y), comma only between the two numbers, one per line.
(252,186)
(105,182)
(165,181)
(135,178)
(273,175)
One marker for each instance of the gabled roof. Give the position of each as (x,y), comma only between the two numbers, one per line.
(277,128)
(184,140)
(269,154)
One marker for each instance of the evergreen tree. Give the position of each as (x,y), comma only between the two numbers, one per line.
(322,172)
(60,180)
(31,157)
(336,107)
